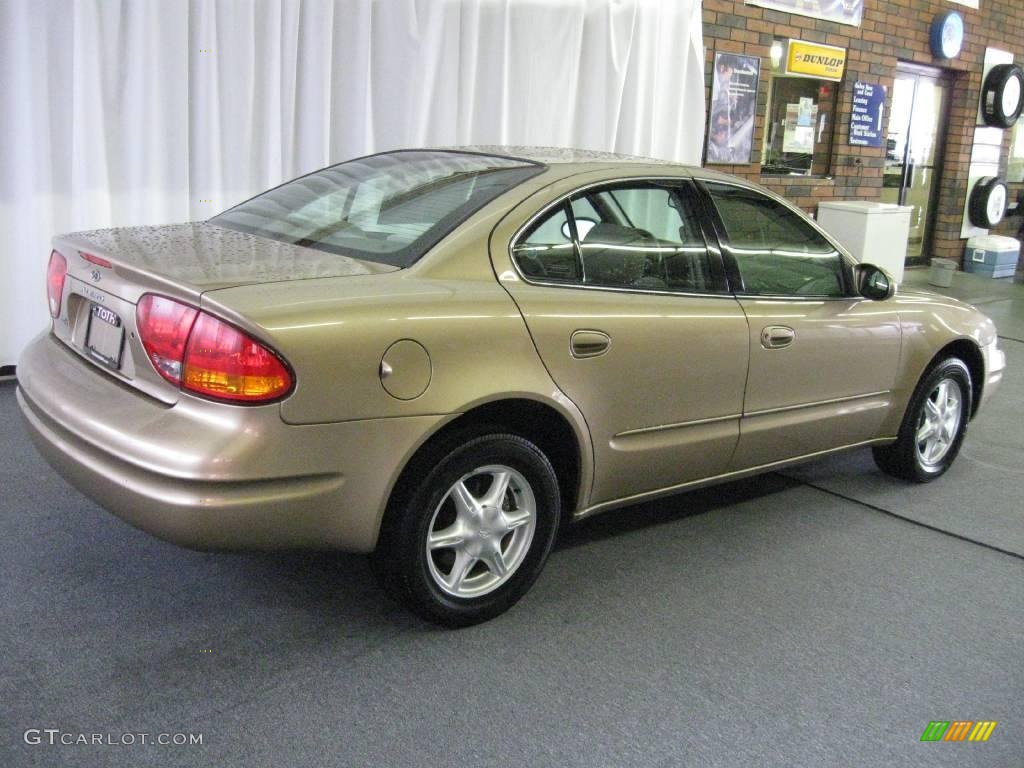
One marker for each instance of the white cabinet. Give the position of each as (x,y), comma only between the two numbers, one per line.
(875,233)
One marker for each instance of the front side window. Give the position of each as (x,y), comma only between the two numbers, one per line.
(776,252)
(389,208)
(640,236)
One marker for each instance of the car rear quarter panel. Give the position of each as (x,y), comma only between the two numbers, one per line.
(334,332)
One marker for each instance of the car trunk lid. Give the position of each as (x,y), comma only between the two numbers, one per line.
(109,270)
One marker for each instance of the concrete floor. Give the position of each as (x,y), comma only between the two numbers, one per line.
(805,619)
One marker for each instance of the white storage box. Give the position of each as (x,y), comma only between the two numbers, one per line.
(875,233)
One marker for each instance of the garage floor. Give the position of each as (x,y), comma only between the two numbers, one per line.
(818,618)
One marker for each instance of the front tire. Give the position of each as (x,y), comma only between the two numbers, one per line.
(933,427)
(465,541)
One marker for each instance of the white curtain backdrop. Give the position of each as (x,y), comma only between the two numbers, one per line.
(123,112)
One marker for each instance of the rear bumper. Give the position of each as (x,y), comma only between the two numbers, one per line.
(210,476)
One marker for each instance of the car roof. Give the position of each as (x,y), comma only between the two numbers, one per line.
(557,155)
(562,156)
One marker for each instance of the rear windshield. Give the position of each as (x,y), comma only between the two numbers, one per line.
(389,208)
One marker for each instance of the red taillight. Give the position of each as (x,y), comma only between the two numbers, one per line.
(224,363)
(55,274)
(164,326)
(207,356)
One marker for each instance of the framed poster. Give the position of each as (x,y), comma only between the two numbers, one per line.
(733,105)
(843,11)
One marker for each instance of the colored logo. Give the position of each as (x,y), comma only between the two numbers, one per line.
(958,730)
(814,60)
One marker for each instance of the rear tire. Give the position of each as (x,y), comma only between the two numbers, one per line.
(468,531)
(933,427)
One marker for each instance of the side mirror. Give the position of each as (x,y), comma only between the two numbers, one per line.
(873,282)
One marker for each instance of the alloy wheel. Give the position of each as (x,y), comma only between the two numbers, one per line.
(481,531)
(938,423)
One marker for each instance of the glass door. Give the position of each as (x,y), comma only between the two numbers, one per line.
(913,157)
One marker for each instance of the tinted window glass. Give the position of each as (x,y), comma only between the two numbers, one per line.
(546,251)
(388,208)
(776,251)
(647,236)
(586,216)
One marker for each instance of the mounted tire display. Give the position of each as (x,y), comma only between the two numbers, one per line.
(471,530)
(987,204)
(933,426)
(1002,95)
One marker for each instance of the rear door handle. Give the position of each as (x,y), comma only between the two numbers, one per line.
(777,336)
(586,343)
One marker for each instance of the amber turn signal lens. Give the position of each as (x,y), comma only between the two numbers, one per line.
(224,363)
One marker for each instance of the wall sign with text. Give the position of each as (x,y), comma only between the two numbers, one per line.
(825,62)
(867,114)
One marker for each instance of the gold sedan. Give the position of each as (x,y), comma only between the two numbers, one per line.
(439,356)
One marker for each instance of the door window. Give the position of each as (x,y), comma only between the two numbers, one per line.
(643,236)
(776,252)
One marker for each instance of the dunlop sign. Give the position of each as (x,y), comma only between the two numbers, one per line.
(814,60)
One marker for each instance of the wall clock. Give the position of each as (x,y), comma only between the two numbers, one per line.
(947,37)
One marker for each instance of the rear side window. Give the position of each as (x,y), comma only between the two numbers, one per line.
(640,236)
(547,250)
(389,208)
(776,252)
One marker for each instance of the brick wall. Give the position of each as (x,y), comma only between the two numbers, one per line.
(892,31)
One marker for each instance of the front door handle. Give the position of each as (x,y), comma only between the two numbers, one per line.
(777,336)
(585,343)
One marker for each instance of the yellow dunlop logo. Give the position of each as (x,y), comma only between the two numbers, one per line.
(815,60)
(959,730)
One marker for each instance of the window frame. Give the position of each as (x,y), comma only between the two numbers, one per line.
(732,269)
(796,178)
(681,184)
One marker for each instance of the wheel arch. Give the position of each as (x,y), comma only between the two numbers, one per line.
(968,351)
(543,424)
